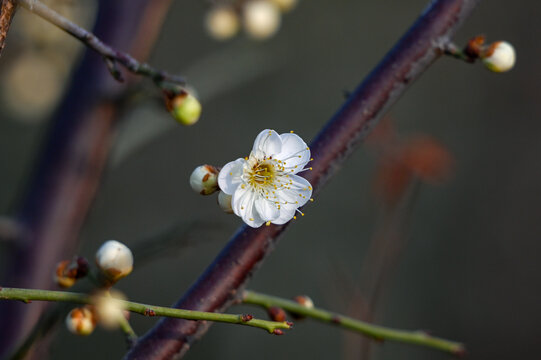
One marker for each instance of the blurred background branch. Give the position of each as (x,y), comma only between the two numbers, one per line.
(69,170)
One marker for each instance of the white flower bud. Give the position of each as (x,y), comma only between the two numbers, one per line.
(499,57)
(114,259)
(224,201)
(222,22)
(261,19)
(204,180)
(285,5)
(109,308)
(81,321)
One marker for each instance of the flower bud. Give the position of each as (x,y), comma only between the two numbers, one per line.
(109,308)
(184,107)
(81,321)
(276,314)
(305,301)
(68,272)
(222,22)
(499,57)
(224,201)
(261,19)
(115,260)
(204,179)
(285,5)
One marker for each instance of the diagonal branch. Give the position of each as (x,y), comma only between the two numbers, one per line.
(219,286)
(7,11)
(111,56)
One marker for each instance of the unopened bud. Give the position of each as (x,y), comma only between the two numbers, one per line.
(499,57)
(184,107)
(224,201)
(222,22)
(109,308)
(285,5)
(204,179)
(304,301)
(276,314)
(115,260)
(81,321)
(68,272)
(261,19)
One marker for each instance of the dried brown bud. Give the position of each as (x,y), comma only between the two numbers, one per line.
(68,272)
(475,47)
(276,314)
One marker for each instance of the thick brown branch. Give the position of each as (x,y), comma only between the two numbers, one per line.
(218,287)
(7,11)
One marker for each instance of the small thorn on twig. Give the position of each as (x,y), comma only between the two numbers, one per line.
(336,320)
(149,312)
(113,69)
(246,317)
(278,332)
(290,324)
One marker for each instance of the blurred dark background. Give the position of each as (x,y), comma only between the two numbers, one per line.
(469,269)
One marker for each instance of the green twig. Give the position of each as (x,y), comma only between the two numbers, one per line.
(29,295)
(374,331)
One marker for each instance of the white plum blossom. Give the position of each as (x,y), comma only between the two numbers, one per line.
(264,186)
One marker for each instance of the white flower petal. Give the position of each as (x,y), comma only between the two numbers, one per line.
(267,209)
(267,143)
(296,194)
(295,153)
(285,216)
(230,176)
(243,205)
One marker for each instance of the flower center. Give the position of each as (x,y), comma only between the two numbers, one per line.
(261,174)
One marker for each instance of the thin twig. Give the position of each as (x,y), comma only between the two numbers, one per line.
(111,56)
(218,286)
(29,295)
(377,332)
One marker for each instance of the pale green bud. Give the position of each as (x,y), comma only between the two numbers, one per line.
(185,108)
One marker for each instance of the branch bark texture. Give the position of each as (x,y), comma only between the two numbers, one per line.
(220,284)
(7,11)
